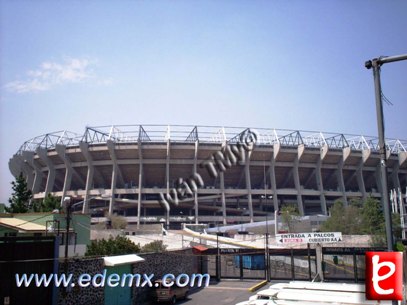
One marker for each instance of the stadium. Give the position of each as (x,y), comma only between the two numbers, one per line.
(127,169)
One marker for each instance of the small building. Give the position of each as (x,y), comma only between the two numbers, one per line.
(49,224)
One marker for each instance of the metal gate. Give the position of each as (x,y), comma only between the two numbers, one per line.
(288,264)
(346,264)
(29,255)
(292,264)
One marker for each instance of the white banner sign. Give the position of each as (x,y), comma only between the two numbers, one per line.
(311,238)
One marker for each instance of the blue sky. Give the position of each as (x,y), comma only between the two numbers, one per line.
(277,64)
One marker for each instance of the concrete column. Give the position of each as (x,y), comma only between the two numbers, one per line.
(89,176)
(67,183)
(111,147)
(18,165)
(320,185)
(297,183)
(222,189)
(249,184)
(61,150)
(15,166)
(43,154)
(115,174)
(402,157)
(359,173)
(361,182)
(318,175)
(341,183)
(276,150)
(34,186)
(395,176)
(113,189)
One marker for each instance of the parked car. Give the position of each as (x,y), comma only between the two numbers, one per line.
(168,294)
(312,293)
(264,297)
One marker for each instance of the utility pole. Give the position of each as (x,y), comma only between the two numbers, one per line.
(218,263)
(266,244)
(375,64)
(267,251)
(67,201)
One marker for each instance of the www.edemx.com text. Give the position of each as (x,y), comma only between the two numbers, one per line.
(111,280)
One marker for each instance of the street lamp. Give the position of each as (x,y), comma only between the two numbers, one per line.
(265,202)
(68,207)
(376,63)
(266,249)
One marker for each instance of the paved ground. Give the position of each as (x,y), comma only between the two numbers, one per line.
(226,292)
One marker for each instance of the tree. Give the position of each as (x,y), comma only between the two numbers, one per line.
(21,196)
(397,229)
(372,218)
(375,224)
(288,215)
(112,246)
(344,219)
(361,218)
(49,204)
(117,222)
(154,246)
(336,220)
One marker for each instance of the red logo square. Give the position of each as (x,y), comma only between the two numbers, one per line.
(384,275)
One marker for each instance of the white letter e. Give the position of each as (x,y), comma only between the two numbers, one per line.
(377,278)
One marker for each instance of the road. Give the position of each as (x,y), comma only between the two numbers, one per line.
(226,292)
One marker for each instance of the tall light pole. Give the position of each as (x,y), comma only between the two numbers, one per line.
(375,64)
(68,207)
(266,248)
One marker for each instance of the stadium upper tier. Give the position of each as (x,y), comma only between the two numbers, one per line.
(130,168)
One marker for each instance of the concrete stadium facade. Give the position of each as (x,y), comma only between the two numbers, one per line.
(125,168)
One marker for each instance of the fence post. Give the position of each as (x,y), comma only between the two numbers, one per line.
(292,265)
(309,262)
(355,267)
(241,266)
(218,260)
(318,256)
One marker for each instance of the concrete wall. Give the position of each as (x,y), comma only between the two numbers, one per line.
(77,295)
(175,262)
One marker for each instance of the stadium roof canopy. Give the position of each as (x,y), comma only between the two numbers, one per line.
(209,134)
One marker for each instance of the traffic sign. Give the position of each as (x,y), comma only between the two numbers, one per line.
(309,238)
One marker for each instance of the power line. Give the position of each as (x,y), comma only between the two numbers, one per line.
(31,220)
(386,100)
